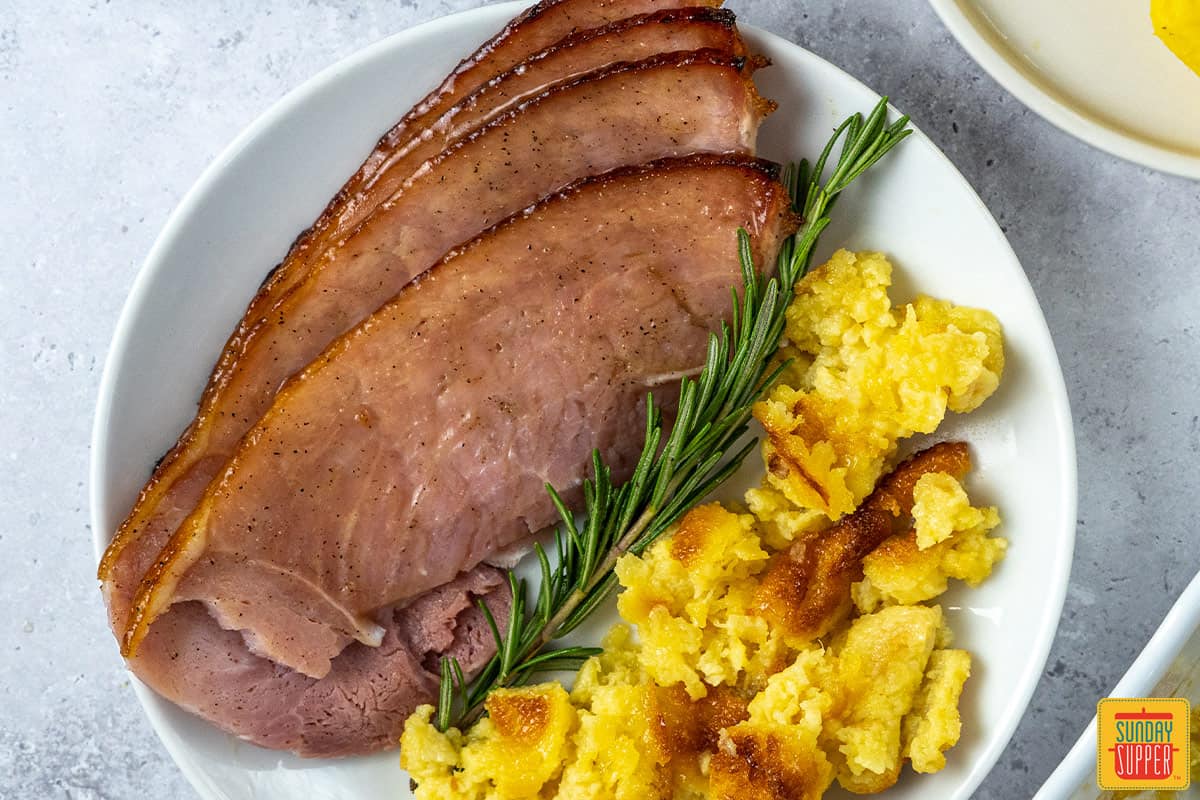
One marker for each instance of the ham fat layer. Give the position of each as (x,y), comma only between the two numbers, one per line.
(420,443)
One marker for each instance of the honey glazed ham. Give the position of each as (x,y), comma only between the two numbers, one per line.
(465,322)
(625,113)
(484,85)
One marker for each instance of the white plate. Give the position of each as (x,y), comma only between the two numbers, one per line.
(1092,67)
(273,180)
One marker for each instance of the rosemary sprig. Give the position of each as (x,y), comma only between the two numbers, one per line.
(676,469)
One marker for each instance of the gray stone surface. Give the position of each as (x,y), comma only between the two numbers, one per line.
(109,111)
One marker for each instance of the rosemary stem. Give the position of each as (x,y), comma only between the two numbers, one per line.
(675,470)
(550,632)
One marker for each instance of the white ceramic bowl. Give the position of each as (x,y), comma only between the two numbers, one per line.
(1092,67)
(239,218)
(1169,666)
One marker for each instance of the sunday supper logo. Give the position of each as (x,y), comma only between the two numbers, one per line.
(1142,743)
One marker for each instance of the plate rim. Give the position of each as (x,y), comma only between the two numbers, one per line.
(1018,82)
(155,262)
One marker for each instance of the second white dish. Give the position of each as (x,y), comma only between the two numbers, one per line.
(1092,67)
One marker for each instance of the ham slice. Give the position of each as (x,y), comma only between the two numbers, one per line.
(543,26)
(632,39)
(419,443)
(560,42)
(359,707)
(540,27)
(628,113)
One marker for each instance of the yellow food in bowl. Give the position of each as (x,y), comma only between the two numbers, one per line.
(782,650)
(1177,23)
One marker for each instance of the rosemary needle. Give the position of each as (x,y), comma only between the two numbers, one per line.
(678,468)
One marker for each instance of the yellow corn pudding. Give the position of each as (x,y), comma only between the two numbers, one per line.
(867,375)
(773,650)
